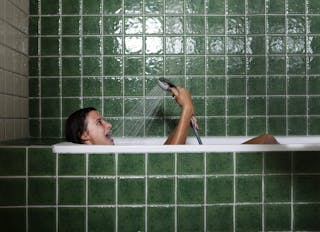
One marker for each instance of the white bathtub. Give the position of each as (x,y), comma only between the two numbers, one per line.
(210,144)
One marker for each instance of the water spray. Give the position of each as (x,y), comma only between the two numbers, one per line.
(166,86)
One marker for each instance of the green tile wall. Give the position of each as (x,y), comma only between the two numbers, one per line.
(272,191)
(252,66)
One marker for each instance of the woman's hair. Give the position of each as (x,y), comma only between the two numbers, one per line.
(76,125)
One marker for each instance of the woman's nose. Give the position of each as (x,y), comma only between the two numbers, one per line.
(108,125)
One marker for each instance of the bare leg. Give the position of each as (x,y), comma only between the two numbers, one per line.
(262,139)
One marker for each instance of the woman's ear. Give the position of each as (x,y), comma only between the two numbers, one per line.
(85,137)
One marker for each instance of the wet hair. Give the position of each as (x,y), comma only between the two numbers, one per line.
(76,125)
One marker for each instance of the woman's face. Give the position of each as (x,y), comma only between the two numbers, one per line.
(98,130)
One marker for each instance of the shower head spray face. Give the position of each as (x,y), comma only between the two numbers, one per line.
(165,84)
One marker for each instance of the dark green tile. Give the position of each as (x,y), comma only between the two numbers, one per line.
(131,191)
(196,86)
(249,188)
(41,161)
(154,66)
(70,46)
(277,188)
(194,65)
(277,45)
(256,45)
(194,25)
(34,126)
(236,86)
(42,191)
(295,7)
(132,219)
(113,86)
(296,65)
(12,192)
(256,125)
(216,65)
(112,45)
(236,7)
(249,163)
(297,106)
(71,87)
(256,7)
(296,125)
(314,126)
(133,86)
(216,45)
(112,7)
(235,45)
(236,106)
(256,86)
(51,128)
(72,164)
(91,25)
(256,25)
(33,25)
(219,218)
(112,66)
(93,102)
(71,191)
(305,188)
(12,161)
(277,217)
(50,87)
(192,7)
(91,45)
(276,106)
(306,217)
(13,219)
(277,24)
(72,219)
(154,127)
(216,106)
(112,24)
(34,88)
(133,107)
(189,164)
(133,66)
(161,219)
(190,219)
(49,25)
(256,65)
(49,66)
(219,190)
(256,106)
(91,86)
(33,46)
(50,107)
(133,6)
(160,164)
(33,7)
(314,7)
(216,7)
(235,25)
(91,66)
(70,6)
(278,162)
(134,127)
(100,219)
(306,162)
(160,191)
(42,219)
(101,191)
(236,126)
(113,107)
(131,164)
(277,125)
(276,85)
(216,126)
(70,25)
(277,65)
(49,7)
(190,191)
(49,46)
(296,44)
(216,86)
(219,163)
(70,66)
(101,164)
(276,7)
(248,218)
(91,6)
(314,63)
(297,85)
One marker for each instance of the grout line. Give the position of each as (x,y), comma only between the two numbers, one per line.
(102,58)
(205,192)
(116,191)
(234,191)
(87,180)
(60,66)
(146,191)
(263,191)
(27,189)
(81,51)
(175,193)
(291,193)
(57,192)
(247,64)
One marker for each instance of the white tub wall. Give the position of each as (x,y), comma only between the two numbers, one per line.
(14,69)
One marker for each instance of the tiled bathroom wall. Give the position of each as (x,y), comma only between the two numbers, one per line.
(252,66)
(272,191)
(14,122)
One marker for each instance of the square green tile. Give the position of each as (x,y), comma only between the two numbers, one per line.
(33,7)
(314,65)
(277,125)
(190,190)
(70,46)
(297,106)
(216,126)
(93,102)
(49,7)
(41,191)
(216,7)
(235,45)
(91,66)
(92,86)
(101,164)
(313,125)
(71,191)
(256,106)
(155,46)
(219,163)
(70,25)
(161,219)
(12,161)
(256,86)
(277,188)
(256,65)
(235,25)
(190,219)
(49,46)
(100,219)
(112,86)
(112,66)
(248,189)
(34,87)
(277,217)
(194,65)
(41,161)
(256,24)
(13,219)
(192,7)
(189,164)
(91,45)
(49,66)
(276,7)
(174,45)
(160,164)
(72,164)
(236,106)
(306,217)
(277,24)
(113,107)
(276,85)
(249,163)
(51,128)
(236,85)
(295,7)
(256,125)
(34,108)
(304,189)
(42,219)
(131,191)
(50,87)
(216,106)
(314,7)
(297,85)
(132,219)
(216,65)
(91,25)
(278,162)
(196,86)
(70,7)
(216,86)
(248,218)
(34,126)
(131,164)
(71,87)
(306,162)
(154,127)
(33,25)
(277,65)
(296,65)
(256,7)
(101,191)
(133,6)
(112,7)
(50,25)
(91,6)
(256,45)
(296,44)
(216,45)
(70,66)
(277,45)
(72,219)
(133,86)
(112,24)
(219,190)
(219,218)
(297,125)
(160,191)
(133,66)
(50,107)
(174,65)
(12,192)
(112,45)
(276,106)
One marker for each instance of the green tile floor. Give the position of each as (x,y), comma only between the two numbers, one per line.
(44,191)
(252,66)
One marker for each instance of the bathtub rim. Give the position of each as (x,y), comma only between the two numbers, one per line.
(305,143)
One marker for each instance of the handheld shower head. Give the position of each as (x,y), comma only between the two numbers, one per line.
(165,84)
